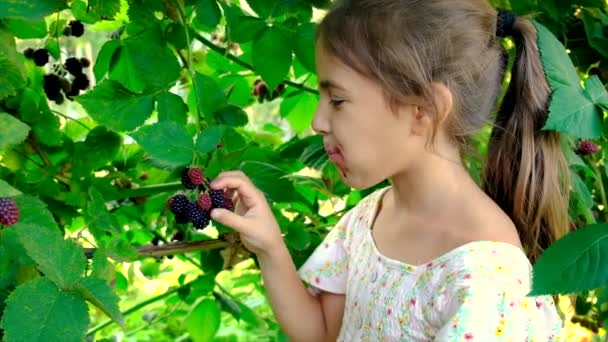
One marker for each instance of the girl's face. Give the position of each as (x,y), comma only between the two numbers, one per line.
(366,140)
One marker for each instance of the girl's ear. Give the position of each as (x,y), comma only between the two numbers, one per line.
(442,103)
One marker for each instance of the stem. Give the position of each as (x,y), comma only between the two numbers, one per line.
(235,59)
(70,118)
(38,149)
(152,251)
(138,306)
(145,191)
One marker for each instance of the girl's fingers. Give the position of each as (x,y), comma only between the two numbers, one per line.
(239,182)
(229,219)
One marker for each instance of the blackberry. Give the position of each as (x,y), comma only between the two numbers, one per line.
(181,218)
(204,201)
(77,28)
(85,62)
(67,31)
(199,217)
(28,53)
(41,57)
(178,236)
(196,175)
(73,66)
(81,82)
(186,181)
(217,198)
(228,204)
(178,204)
(74,91)
(65,85)
(9,212)
(52,86)
(587,147)
(59,99)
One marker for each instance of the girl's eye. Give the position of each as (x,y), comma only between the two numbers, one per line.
(336,103)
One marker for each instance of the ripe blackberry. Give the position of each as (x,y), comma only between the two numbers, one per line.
(217,198)
(85,62)
(199,217)
(181,218)
(52,86)
(67,31)
(41,57)
(186,181)
(81,82)
(28,53)
(178,204)
(587,147)
(196,175)
(228,204)
(73,65)
(74,91)
(59,99)
(65,85)
(9,212)
(77,28)
(204,201)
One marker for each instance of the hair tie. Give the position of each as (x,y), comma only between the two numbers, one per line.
(505,23)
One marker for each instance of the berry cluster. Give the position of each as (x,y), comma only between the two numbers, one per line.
(9,212)
(586,147)
(260,89)
(197,211)
(67,77)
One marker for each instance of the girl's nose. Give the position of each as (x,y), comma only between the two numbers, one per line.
(320,122)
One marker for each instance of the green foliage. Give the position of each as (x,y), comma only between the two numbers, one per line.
(171,85)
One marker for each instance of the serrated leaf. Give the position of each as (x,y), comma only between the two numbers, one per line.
(99,219)
(104,58)
(62,261)
(209,94)
(8,191)
(270,180)
(595,28)
(557,64)
(102,268)
(204,321)
(25,29)
(100,294)
(208,12)
(32,10)
(100,147)
(297,237)
(232,116)
(39,311)
(12,70)
(304,46)
(595,91)
(80,12)
(243,28)
(208,139)
(271,55)
(34,211)
(171,107)
(574,263)
(48,128)
(581,190)
(13,131)
(105,8)
(167,142)
(111,104)
(573,113)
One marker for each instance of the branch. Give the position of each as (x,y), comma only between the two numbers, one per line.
(152,251)
(224,52)
(32,140)
(144,191)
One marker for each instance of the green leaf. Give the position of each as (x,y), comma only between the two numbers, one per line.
(113,105)
(171,107)
(99,148)
(573,113)
(208,12)
(105,8)
(12,70)
(102,268)
(48,128)
(104,58)
(53,47)
(209,94)
(574,263)
(167,142)
(34,211)
(100,294)
(31,10)
(243,28)
(594,89)
(145,63)
(62,261)
(595,22)
(25,29)
(232,116)
(80,12)
(208,139)
(8,191)
(270,180)
(304,46)
(581,190)
(204,321)
(13,131)
(297,237)
(557,64)
(272,56)
(39,311)
(299,110)
(99,219)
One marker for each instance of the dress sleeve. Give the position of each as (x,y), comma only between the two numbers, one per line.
(479,310)
(327,267)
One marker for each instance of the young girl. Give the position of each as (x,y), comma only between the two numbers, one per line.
(432,257)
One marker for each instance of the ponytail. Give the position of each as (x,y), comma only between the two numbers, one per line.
(526,172)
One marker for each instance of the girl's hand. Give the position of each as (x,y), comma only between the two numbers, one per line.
(252,216)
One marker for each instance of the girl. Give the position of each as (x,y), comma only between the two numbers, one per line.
(432,257)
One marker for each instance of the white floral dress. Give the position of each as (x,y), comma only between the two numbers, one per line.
(476,292)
